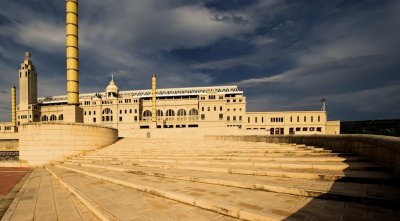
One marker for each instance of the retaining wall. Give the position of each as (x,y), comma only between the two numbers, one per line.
(41,143)
(8,145)
(383,150)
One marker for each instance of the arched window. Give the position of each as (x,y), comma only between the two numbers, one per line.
(53,117)
(107,111)
(193,112)
(181,112)
(160,113)
(147,113)
(170,113)
(45,118)
(107,115)
(61,117)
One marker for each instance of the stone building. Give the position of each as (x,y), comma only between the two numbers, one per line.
(194,107)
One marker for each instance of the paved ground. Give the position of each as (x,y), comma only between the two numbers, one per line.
(11,180)
(158,179)
(9,177)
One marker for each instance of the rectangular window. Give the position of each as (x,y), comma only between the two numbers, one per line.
(297,128)
(312,118)
(126,111)
(208,108)
(305,119)
(221,116)
(240,118)
(135,111)
(220,108)
(262,119)
(228,118)
(130,111)
(305,128)
(319,129)
(255,119)
(215,108)
(120,111)
(85,112)
(312,128)
(120,119)
(248,120)
(298,118)
(94,112)
(94,120)
(234,118)
(202,108)
(203,116)
(319,118)
(135,118)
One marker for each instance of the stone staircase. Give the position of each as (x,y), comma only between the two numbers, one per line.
(162,179)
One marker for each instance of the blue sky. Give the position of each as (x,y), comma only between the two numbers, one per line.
(285,55)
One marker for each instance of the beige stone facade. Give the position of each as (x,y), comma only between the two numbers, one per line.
(195,107)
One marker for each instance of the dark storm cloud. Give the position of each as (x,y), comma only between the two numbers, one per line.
(285,55)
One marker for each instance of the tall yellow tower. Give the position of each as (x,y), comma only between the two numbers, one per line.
(13,106)
(72,51)
(154,98)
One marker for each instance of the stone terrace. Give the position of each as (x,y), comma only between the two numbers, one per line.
(162,179)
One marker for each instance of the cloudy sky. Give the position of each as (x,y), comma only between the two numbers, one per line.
(285,55)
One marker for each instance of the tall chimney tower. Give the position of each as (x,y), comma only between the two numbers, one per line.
(154,97)
(72,51)
(13,107)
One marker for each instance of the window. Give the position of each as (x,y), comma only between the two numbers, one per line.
(203,116)
(193,111)
(305,118)
(220,108)
(130,111)
(107,115)
(211,97)
(208,108)
(202,108)
(170,113)
(228,118)
(202,98)
(126,111)
(181,112)
(248,120)
(147,113)
(262,119)
(234,100)
(215,108)
(312,128)
(85,113)
(319,118)
(305,128)
(298,128)
(61,117)
(319,129)
(255,119)
(221,116)
(120,111)
(234,118)
(291,118)
(120,119)
(53,118)
(312,118)
(298,118)
(44,118)
(135,111)
(160,113)
(94,120)
(135,118)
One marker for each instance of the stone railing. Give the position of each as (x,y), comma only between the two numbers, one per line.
(383,150)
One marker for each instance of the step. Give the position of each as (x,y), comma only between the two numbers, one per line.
(118,202)
(230,200)
(312,174)
(301,187)
(264,164)
(235,158)
(42,197)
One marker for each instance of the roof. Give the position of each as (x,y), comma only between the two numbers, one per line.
(165,92)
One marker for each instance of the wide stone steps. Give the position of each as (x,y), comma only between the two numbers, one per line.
(301,187)
(113,201)
(246,204)
(43,197)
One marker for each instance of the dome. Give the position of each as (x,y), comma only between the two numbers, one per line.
(112,87)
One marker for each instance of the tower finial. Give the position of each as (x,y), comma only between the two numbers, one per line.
(112,77)
(27,55)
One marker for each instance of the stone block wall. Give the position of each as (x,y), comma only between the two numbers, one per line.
(41,143)
(8,145)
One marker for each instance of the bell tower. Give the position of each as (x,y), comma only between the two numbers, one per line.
(28,110)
